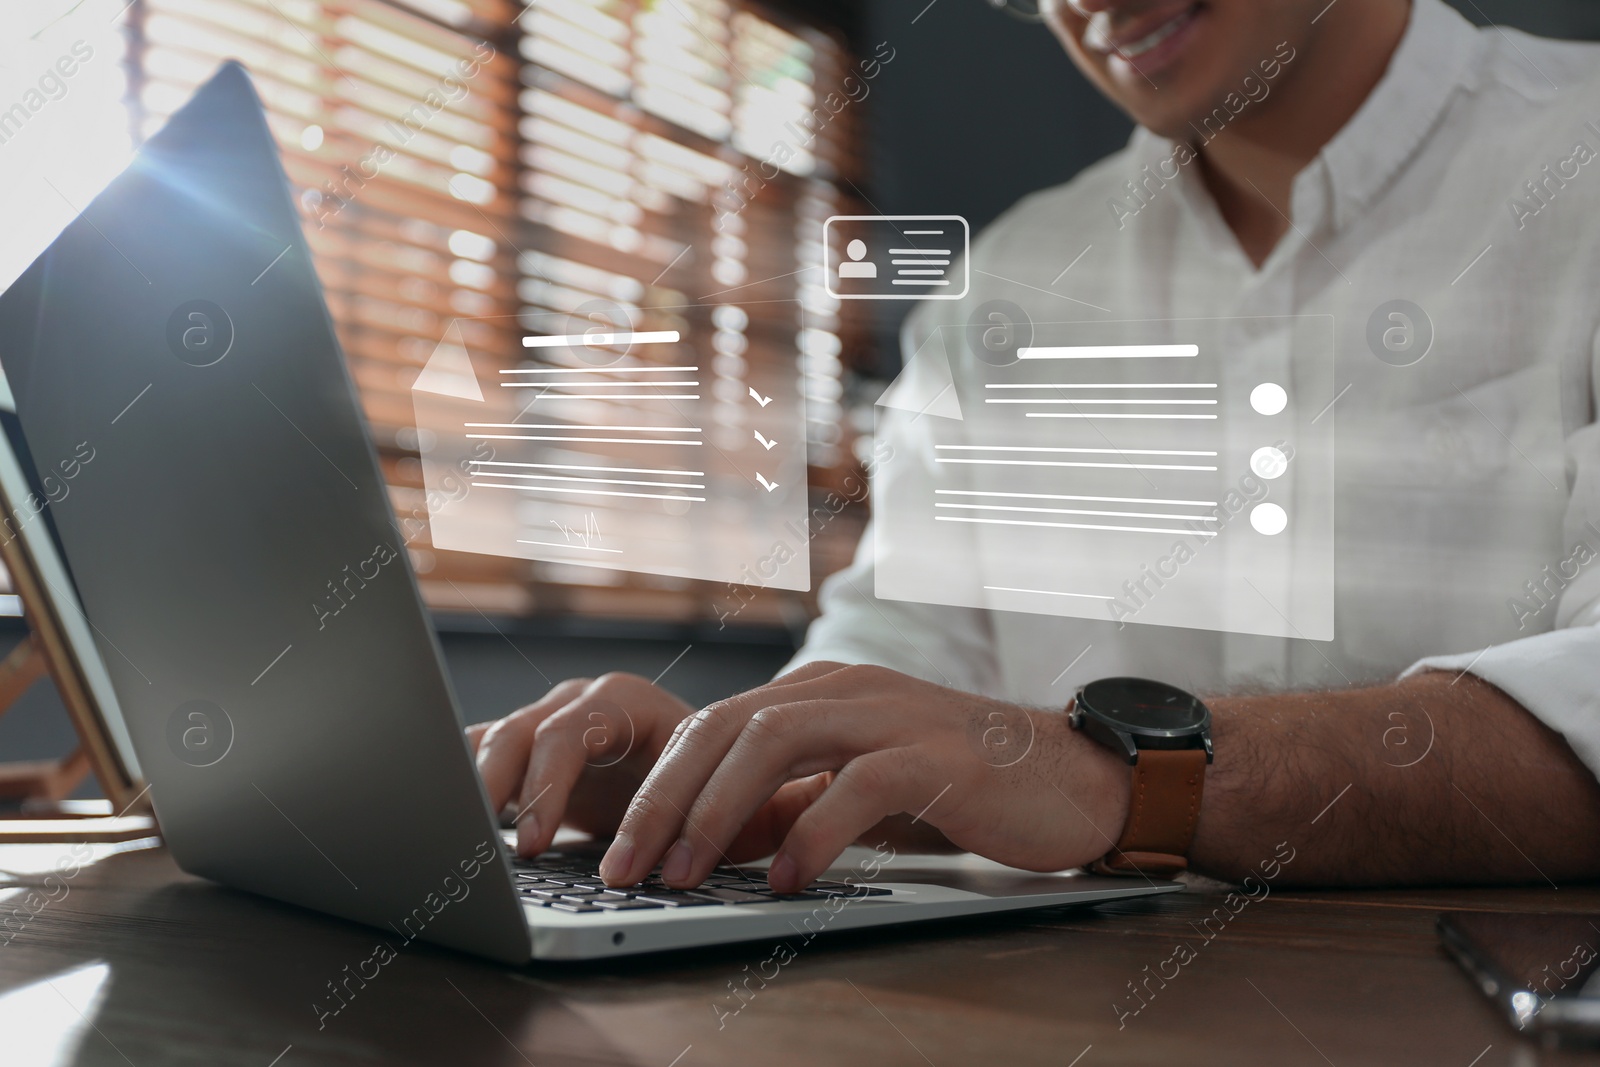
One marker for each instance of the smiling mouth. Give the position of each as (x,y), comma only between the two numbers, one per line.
(1100,38)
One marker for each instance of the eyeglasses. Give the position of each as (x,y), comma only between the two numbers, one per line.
(1026,10)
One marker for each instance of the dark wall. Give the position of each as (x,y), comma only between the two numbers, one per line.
(976,109)
(1579,19)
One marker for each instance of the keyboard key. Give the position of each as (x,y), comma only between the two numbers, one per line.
(731,896)
(742,885)
(569,905)
(677,900)
(850,891)
(628,905)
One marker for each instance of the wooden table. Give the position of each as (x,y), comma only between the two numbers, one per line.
(140,964)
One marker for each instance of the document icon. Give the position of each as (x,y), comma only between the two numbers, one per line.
(593,451)
(895,257)
(1174,473)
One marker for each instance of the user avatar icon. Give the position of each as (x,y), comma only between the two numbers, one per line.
(853,267)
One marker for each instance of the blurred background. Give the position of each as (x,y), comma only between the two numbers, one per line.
(599,150)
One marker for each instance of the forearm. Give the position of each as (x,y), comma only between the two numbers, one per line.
(1448,781)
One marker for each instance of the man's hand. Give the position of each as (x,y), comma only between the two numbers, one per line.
(575,756)
(809,762)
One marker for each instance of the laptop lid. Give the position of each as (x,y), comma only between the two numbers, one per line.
(234,548)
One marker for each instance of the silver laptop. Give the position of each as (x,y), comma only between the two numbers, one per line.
(309,755)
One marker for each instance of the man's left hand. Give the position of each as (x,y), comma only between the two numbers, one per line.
(808,763)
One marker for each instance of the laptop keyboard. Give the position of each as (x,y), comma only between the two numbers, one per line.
(566,882)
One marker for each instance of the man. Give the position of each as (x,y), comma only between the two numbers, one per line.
(1295,157)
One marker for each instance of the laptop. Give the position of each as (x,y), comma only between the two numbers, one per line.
(313,756)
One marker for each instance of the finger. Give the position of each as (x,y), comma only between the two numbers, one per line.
(721,707)
(778,690)
(767,828)
(658,807)
(650,829)
(475,734)
(807,674)
(503,748)
(885,782)
(777,745)
(593,729)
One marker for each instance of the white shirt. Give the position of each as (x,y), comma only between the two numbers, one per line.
(1467,485)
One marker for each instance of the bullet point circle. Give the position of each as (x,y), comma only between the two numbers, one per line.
(1269,398)
(1268,519)
(1269,462)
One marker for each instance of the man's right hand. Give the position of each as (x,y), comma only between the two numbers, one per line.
(576,756)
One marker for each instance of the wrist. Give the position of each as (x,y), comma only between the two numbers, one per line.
(1097,784)
(1114,785)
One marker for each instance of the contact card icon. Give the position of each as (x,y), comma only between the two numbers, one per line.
(895,257)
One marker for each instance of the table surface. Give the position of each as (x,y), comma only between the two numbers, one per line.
(141,964)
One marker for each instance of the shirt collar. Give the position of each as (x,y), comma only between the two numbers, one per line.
(1434,59)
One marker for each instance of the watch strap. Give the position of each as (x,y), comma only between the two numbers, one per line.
(1162,813)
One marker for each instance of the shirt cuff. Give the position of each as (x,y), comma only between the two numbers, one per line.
(1556,676)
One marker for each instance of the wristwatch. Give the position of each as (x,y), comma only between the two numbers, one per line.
(1165,734)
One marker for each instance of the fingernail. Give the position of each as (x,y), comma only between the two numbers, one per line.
(781,875)
(676,866)
(618,859)
(527,832)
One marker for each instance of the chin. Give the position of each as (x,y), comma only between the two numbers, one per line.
(1173,122)
(1211,95)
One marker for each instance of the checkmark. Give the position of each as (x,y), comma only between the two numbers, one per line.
(766,444)
(768,486)
(758,398)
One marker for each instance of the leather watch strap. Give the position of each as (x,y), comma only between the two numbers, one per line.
(1165,805)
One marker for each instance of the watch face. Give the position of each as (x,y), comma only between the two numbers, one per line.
(1139,705)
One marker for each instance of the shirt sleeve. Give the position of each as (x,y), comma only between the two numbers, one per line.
(952,646)
(947,645)
(1556,675)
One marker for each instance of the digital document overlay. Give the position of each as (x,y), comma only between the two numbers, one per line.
(896,257)
(596,451)
(1175,473)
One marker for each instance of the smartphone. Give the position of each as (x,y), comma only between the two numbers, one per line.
(1540,969)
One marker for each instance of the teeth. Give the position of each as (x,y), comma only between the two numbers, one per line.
(1161,33)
